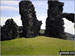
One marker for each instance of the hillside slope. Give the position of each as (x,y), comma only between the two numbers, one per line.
(40,45)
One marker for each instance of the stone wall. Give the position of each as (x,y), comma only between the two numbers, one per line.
(69,16)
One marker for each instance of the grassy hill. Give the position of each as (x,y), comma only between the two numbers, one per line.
(40,45)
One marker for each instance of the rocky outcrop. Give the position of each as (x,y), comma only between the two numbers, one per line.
(9,30)
(31,26)
(54,21)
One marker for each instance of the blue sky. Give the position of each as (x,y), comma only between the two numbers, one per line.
(10,9)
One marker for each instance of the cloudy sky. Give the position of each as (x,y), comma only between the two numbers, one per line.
(10,9)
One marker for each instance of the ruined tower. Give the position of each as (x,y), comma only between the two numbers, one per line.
(54,21)
(9,30)
(31,26)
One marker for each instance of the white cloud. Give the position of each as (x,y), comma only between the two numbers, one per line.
(39,3)
(7,8)
(69,26)
(16,19)
(9,2)
(9,5)
(43,19)
(19,22)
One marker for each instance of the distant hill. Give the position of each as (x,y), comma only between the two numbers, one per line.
(42,31)
(70,36)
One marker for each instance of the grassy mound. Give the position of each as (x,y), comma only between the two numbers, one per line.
(40,45)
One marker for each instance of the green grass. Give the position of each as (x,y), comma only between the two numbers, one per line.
(40,45)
